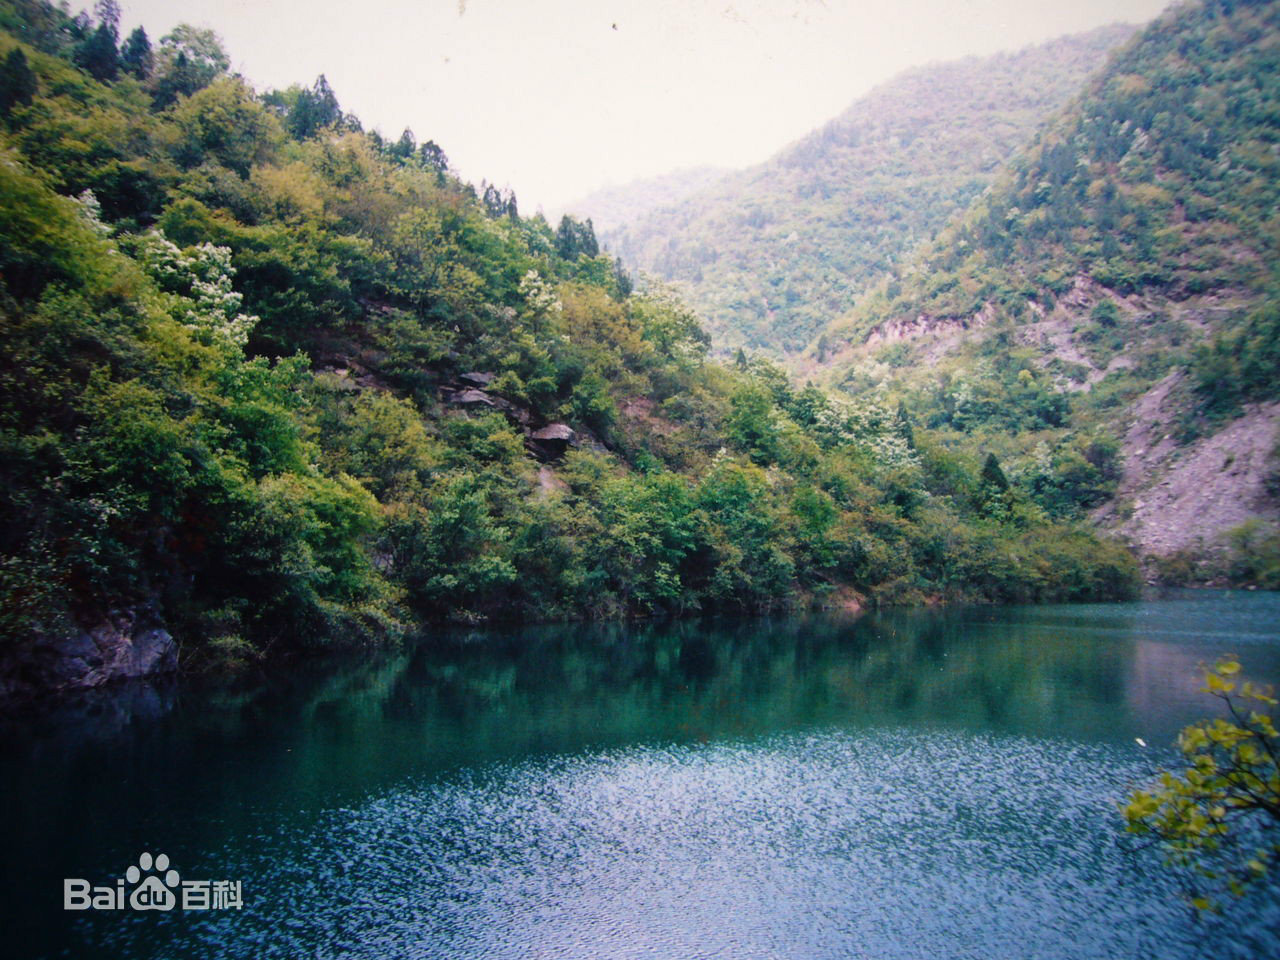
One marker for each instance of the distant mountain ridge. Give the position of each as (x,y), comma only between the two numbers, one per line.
(769,254)
(615,206)
(1120,280)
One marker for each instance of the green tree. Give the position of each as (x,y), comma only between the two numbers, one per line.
(587,239)
(566,239)
(1220,817)
(575,239)
(225,123)
(752,424)
(97,54)
(746,561)
(136,58)
(992,474)
(107,13)
(190,59)
(313,110)
(453,554)
(432,156)
(622,280)
(18,84)
(405,147)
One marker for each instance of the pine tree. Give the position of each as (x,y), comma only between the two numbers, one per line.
(587,243)
(136,57)
(567,239)
(406,146)
(17,83)
(494,202)
(98,56)
(314,110)
(574,239)
(992,475)
(622,280)
(432,156)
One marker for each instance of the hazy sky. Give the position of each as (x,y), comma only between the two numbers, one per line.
(555,98)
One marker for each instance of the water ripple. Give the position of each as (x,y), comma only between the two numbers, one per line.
(886,843)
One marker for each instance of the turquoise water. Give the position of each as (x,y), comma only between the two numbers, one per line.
(915,784)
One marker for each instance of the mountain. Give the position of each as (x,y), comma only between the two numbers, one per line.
(1117,283)
(769,254)
(275,383)
(613,207)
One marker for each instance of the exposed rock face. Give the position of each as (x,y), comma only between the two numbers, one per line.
(1053,332)
(931,338)
(556,431)
(908,328)
(124,645)
(472,398)
(1188,497)
(551,442)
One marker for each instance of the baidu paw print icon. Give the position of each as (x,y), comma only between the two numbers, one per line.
(155,892)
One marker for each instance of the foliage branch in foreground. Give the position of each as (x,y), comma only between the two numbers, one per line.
(1219,818)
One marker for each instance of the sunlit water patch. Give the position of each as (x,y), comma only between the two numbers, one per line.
(881,844)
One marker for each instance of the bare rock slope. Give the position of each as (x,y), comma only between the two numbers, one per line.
(1175,498)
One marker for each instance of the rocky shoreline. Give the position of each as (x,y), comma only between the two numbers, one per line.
(123,644)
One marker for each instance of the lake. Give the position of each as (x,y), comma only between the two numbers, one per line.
(909,784)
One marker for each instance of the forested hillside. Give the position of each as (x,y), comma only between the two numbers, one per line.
(271,380)
(768,255)
(1116,291)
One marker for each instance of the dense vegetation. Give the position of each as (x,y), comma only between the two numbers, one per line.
(769,255)
(280,379)
(1133,240)
(1160,179)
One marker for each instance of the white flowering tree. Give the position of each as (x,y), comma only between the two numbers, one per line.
(200,281)
(542,303)
(869,422)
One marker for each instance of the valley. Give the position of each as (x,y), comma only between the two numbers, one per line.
(1102,265)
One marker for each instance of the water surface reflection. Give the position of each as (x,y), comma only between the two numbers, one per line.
(911,783)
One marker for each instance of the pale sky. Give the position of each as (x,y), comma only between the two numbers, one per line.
(555,98)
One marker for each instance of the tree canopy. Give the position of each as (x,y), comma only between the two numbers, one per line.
(288,382)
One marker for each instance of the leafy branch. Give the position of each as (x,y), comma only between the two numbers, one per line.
(1219,818)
